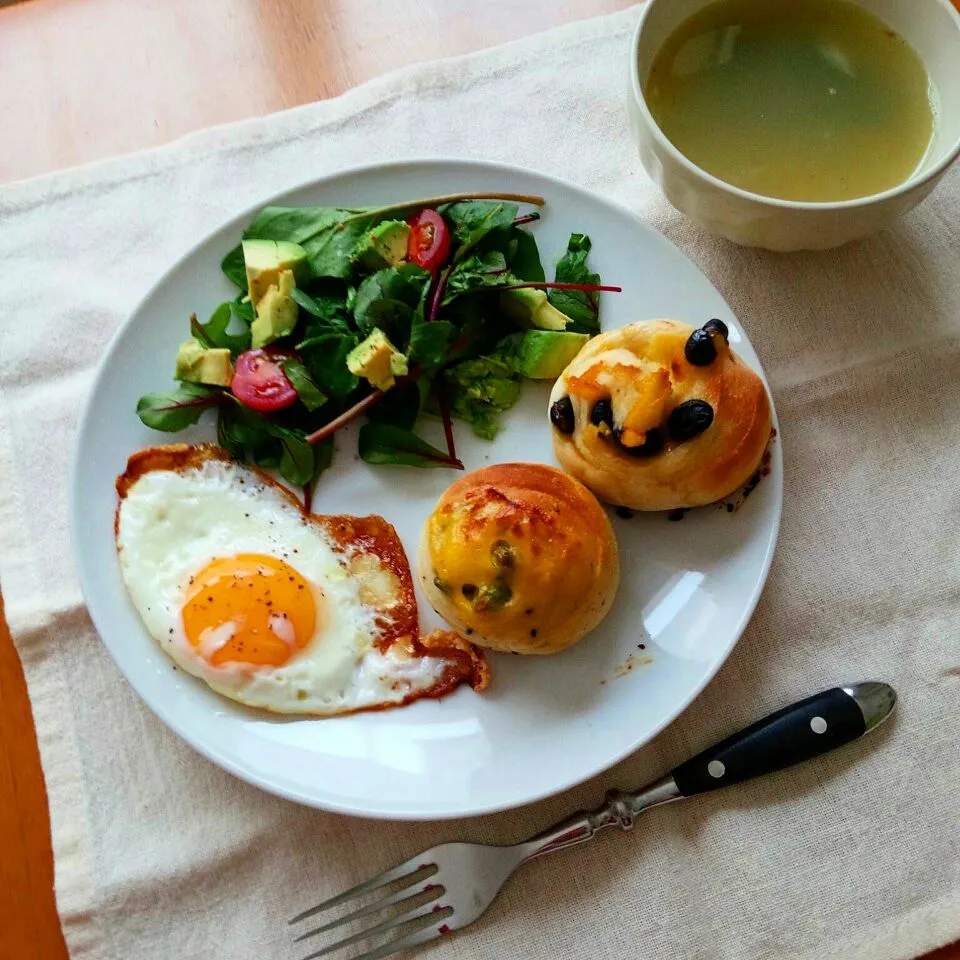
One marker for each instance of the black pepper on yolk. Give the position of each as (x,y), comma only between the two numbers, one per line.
(250,609)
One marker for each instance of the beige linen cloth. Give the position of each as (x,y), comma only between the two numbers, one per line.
(161,855)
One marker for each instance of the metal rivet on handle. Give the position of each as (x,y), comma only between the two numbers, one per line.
(818,725)
(716,769)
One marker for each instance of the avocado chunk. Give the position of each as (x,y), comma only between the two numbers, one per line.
(265,260)
(272,267)
(377,360)
(276,312)
(544,354)
(530,307)
(199,364)
(384,245)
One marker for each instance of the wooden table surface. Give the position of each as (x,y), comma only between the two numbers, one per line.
(85,79)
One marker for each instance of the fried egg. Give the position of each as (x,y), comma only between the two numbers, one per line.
(270,607)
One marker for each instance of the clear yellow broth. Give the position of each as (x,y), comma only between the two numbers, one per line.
(814,100)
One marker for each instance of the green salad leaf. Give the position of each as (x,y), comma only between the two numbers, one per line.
(234,268)
(307,390)
(172,412)
(472,220)
(328,310)
(388,298)
(297,457)
(429,343)
(325,357)
(322,456)
(479,326)
(328,234)
(582,307)
(213,333)
(402,405)
(523,256)
(477,272)
(252,437)
(243,310)
(383,443)
(244,433)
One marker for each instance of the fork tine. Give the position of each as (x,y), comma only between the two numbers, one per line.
(427,912)
(402,895)
(404,943)
(412,870)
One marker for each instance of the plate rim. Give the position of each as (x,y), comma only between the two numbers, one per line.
(370,809)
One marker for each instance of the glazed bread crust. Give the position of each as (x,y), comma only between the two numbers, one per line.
(642,371)
(519,557)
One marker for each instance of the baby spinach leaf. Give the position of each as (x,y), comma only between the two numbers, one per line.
(213,333)
(325,358)
(297,224)
(252,437)
(328,234)
(480,326)
(331,310)
(428,344)
(387,444)
(478,272)
(472,220)
(175,411)
(322,456)
(388,298)
(524,257)
(310,394)
(243,310)
(401,406)
(297,464)
(583,307)
(234,268)
(197,330)
(244,433)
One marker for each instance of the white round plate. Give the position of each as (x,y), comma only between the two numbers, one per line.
(546,723)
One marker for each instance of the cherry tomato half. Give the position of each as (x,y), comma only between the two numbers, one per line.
(260,383)
(429,243)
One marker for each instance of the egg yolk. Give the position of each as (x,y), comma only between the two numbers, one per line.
(250,608)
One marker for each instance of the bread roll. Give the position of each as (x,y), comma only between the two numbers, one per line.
(657,415)
(520,557)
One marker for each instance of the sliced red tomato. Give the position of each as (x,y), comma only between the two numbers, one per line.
(260,383)
(429,243)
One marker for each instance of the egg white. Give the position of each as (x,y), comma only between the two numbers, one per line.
(172,523)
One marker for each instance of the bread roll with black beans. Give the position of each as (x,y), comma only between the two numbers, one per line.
(658,415)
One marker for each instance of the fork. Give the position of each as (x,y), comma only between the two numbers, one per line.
(449,886)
